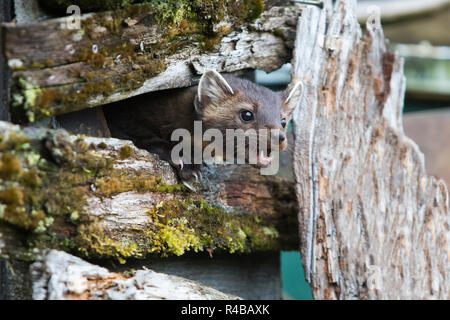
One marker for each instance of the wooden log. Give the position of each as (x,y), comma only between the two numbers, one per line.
(373,224)
(106,199)
(123,53)
(58,275)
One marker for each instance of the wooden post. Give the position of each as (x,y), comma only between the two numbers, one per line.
(373,224)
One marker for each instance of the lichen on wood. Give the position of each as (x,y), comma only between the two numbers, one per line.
(140,48)
(106,199)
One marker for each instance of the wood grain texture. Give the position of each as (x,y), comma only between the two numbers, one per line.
(120,54)
(373,224)
(103,198)
(61,276)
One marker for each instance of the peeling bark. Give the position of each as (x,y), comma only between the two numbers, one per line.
(373,224)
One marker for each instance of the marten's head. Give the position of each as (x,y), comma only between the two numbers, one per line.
(227,102)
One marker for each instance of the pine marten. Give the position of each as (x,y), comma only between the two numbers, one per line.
(219,101)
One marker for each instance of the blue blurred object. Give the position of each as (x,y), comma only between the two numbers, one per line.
(277,78)
(292,277)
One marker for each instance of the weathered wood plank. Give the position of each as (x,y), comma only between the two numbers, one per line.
(104,198)
(119,54)
(373,224)
(60,276)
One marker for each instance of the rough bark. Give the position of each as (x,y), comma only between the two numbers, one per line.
(123,53)
(57,275)
(373,224)
(104,198)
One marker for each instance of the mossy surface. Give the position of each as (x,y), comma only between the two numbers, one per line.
(45,183)
(213,227)
(179,226)
(46,180)
(116,64)
(170,11)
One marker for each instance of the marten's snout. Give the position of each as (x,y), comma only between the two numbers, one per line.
(281,137)
(277,136)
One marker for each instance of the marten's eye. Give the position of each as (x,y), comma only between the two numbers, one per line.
(283,123)
(247,116)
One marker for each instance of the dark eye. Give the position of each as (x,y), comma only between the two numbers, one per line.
(283,123)
(247,116)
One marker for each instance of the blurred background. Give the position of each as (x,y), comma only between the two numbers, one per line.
(419,31)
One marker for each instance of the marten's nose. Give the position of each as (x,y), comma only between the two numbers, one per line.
(281,136)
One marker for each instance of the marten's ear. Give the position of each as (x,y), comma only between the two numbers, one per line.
(291,96)
(213,87)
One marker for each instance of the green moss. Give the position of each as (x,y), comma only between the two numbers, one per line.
(125,152)
(31,179)
(255,9)
(12,197)
(10,167)
(36,65)
(119,181)
(182,22)
(178,226)
(14,142)
(92,242)
(246,10)
(49,63)
(42,194)
(102,145)
(173,236)
(215,228)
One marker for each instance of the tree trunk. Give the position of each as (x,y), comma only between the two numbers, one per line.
(373,225)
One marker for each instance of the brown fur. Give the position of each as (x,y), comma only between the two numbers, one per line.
(149,120)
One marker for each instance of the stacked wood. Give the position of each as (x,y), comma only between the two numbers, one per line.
(114,55)
(104,198)
(373,224)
